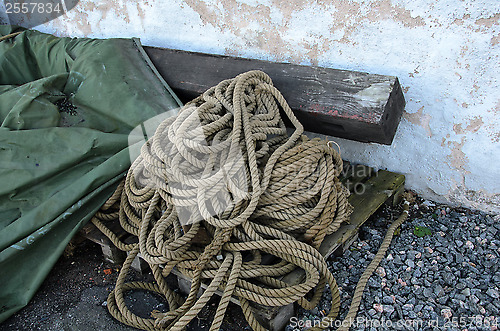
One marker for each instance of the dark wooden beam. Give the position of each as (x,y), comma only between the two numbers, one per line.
(341,103)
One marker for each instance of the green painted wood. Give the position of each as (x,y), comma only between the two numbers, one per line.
(379,188)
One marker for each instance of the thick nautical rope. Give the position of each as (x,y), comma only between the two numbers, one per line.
(349,319)
(9,36)
(229,144)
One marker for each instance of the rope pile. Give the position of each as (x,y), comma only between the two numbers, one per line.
(225,166)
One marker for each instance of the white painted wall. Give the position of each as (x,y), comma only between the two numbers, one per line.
(445,53)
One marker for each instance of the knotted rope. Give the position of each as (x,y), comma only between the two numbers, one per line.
(225,166)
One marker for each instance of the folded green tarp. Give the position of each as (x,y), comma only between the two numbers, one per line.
(66,108)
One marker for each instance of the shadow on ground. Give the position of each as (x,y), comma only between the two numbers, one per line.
(73,297)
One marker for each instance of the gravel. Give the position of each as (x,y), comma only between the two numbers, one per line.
(448,279)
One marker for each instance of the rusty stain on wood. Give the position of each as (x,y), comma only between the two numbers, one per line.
(347,104)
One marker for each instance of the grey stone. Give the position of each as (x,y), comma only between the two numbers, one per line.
(443,249)
(388,309)
(492,230)
(488,263)
(427,292)
(397,260)
(449,278)
(388,300)
(492,309)
(443,300)
(497,303)
(493,293)
(438,290)
(418,291)
(400,300)
(372,312)
(474,298)
(372,282)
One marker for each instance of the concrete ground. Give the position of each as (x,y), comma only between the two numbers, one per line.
(73,297)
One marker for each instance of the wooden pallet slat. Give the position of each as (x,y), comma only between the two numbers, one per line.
(379,189)
(110,252)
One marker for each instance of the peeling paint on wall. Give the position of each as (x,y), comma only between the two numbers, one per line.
(474,125)
(446,54)
(457,157)
(420,119)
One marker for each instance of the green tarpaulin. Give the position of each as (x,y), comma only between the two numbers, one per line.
(66,108)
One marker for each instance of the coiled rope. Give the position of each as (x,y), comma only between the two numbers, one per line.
(226,166)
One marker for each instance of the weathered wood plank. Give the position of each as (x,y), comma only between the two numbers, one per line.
(340,103)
